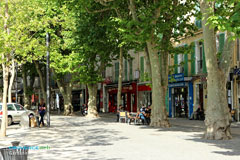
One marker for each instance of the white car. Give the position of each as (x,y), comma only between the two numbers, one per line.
(14,112)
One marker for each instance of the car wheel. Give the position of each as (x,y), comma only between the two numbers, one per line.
(9,121)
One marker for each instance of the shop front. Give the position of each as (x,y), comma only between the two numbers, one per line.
(128,97)
(180,96)
(144,93)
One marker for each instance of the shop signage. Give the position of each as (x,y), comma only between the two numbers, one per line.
(176,77)
(182,84)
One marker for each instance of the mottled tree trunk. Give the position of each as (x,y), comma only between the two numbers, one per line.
(92,102)
(217,119)
(5,68)
(159,85)
(68,108)
(11,82)
(42,80)
(25,95)
(66,90)
(158,115)
(4,106)
(119,93)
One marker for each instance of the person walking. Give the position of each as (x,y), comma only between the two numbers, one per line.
(41,111)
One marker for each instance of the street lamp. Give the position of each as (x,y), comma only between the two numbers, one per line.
(16,93)
(47,77)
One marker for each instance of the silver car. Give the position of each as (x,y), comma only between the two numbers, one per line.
(14,112)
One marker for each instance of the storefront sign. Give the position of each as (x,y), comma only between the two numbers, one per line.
(182,84)
(176,77)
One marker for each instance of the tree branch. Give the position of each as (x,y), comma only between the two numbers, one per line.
(132,7)
(98,11)
(104,2)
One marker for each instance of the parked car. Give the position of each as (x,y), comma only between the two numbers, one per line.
(14,112)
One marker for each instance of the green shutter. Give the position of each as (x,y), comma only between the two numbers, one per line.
(130,70)
(193,59)
(116,71)
(198,23)
(185,63)
(167,101)
(221,44)
(204,61)
(176,63)
(126,70)
(142,68)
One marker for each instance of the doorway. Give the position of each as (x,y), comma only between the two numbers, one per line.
(180,102)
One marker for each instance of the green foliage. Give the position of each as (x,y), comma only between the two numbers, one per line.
(226,16)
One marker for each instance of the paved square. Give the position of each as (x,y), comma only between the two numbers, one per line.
(104,139)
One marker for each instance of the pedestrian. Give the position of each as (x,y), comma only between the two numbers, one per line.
(41,111)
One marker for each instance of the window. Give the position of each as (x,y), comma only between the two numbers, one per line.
(142,68)
(116,71)
(10,107)
(126,70)
(180,61)
(200,58)
(130,70)
(19,107)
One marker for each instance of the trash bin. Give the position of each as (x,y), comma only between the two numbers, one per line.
(18,153)
(15,152)
(15,143)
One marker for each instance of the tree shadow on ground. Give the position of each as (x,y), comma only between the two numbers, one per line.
(68,138)
(180,125)
(232,146)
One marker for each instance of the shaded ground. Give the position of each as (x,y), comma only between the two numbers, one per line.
(104,139)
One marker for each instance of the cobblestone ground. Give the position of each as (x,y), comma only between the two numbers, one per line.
(77,137)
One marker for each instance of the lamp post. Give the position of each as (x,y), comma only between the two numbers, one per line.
(47,77)
(16,93)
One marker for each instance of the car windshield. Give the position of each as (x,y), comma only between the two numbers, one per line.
(19,107)
(0,107)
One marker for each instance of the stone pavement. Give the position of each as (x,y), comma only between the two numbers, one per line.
(81,138)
